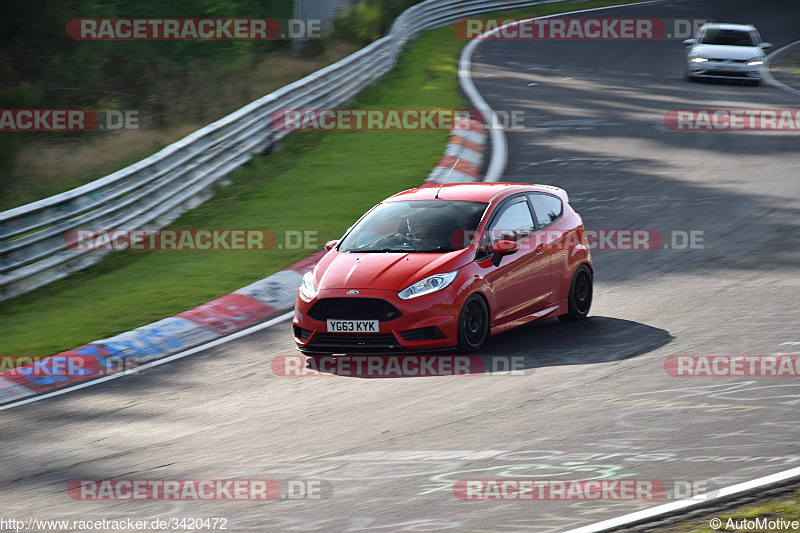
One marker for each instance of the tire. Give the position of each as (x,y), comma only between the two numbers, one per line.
(580,295)
(473,324)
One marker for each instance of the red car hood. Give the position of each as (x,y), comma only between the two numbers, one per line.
(389,271)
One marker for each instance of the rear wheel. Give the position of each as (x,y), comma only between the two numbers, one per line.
(473,324)
(580,295)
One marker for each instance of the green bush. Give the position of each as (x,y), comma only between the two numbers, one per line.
(362,22)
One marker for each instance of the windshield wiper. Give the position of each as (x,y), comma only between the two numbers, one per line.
(375,250)
(439,249)
(436,250)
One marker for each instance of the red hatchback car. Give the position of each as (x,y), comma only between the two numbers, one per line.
(444,267)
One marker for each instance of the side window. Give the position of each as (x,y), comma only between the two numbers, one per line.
(514,223)
(547,208)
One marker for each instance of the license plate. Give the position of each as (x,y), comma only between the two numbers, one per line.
(352,326)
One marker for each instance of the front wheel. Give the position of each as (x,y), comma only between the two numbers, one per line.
(687,74)
(473,324)
(580,295)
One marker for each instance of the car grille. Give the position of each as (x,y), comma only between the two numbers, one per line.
(385,340)
(728,73)
(354,309)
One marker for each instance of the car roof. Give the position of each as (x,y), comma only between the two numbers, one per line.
(728,26)
(475,192)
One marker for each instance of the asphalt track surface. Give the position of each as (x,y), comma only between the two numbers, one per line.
(594,401)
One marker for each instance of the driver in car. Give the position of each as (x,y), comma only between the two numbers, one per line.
(428,233)
(424,233)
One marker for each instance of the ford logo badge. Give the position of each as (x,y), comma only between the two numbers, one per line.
(352,292)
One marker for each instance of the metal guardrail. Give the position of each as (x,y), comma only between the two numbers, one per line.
(155,191)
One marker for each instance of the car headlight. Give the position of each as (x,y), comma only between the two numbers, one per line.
(699,59)
(307,287)
(428,285)
(755,61)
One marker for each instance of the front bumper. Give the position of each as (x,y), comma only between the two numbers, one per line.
(426,323)
(724,69)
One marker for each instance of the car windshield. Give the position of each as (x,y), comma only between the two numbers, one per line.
(727,37)
(425,226)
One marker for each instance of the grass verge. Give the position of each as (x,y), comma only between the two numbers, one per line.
(317,182)
(782,509)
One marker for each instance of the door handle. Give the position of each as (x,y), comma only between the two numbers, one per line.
(539,248)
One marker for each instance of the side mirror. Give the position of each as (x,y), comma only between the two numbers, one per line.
(504,247)
(688,42)
(331,244)
(766,45)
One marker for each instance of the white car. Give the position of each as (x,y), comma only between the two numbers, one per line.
(726,51)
